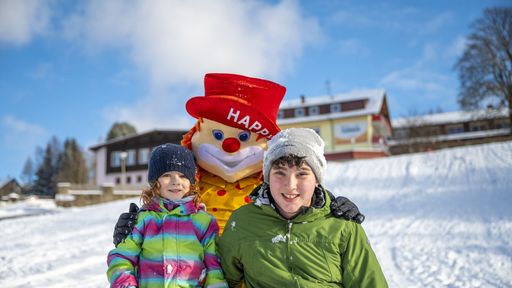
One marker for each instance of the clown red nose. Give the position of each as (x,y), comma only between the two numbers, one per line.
(239,101)
(231,145)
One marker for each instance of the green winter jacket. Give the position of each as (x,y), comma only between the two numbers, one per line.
(314,249)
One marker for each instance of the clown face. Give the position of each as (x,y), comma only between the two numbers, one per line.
(228,152)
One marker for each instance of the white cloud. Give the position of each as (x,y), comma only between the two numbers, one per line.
(353,47)
(381,16)
(384,16)
(436,23)
(419,76)
(157,110)
(22,127)
(177,42)
(20,137)
(21,20)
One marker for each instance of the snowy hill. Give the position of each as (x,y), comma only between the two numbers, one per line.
(440,219)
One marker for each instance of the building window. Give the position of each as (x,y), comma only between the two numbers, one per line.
(336,107)
(501,124)
(128,180)
(315,110)
(130,159)
(299,112)
(400,133)
(115,159)
(118,180)
(433,131)
(454,129)
(139,179)
(143,156)
(478,126)
(280,114)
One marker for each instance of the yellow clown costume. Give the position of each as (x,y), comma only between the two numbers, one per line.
(236,117)
(224,197)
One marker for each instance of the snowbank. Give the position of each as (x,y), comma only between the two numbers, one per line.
(434,220)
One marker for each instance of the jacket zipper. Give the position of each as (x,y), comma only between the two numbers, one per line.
(289,257)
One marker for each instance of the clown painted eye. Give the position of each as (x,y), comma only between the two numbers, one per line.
(218,134)
(244,136)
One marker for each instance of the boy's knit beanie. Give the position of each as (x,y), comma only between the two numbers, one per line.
(302,142)
(171,157)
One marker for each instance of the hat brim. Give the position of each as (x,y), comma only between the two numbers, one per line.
(218,108)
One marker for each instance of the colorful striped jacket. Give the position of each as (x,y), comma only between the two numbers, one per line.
(170,246)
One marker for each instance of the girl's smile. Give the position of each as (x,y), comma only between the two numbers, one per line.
(173,185)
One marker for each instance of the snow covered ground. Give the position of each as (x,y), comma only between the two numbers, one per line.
(441,219)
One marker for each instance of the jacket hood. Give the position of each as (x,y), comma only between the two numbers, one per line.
(320,204)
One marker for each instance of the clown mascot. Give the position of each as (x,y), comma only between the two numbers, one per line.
(235,118)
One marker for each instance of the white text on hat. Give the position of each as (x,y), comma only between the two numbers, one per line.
(245,121)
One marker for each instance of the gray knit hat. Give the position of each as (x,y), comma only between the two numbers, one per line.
(302,142)
(171,157)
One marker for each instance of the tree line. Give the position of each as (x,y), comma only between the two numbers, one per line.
(62,162)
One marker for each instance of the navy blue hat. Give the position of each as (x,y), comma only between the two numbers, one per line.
(171,157)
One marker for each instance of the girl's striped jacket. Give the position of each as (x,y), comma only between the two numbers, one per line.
(172,245)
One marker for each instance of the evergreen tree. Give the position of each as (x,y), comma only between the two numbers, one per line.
(72,165)
(46,174)
(27,174)
(120,129)
(45,184)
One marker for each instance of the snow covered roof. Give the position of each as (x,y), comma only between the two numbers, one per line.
(450,117)
(375,99)
(359,94)
(451,137)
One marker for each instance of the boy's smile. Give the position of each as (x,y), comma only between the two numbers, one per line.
(292,188)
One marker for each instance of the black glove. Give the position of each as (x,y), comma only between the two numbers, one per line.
(343,207)
(125,224)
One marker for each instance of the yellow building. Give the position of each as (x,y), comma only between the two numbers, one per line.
(353,125)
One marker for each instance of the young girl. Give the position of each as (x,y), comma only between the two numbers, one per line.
(173,242)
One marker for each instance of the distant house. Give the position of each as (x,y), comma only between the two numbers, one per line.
(124,160)
(10,190)
(353,125)
(449,129)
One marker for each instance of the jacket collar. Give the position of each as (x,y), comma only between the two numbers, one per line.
(159,204)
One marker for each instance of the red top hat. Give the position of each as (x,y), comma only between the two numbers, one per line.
(239,101)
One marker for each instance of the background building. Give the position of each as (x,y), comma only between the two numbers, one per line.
(353,125)
(449,129)
(10,190)
(124,160)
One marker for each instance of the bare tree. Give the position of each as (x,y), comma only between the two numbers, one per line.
(485,68)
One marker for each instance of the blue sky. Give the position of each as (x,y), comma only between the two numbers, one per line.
(72,68)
